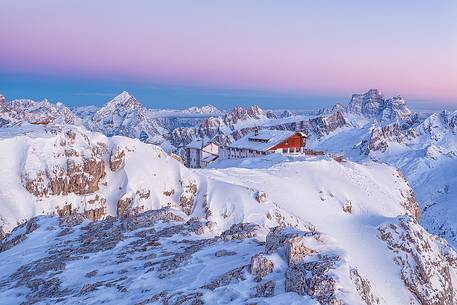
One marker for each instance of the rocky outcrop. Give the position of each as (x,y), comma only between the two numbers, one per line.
(187,198)
(124,206)
(237,274)
(364,288)
(427,263)
(395,109)
(296,250)
(79,177)
(437,126)
(309,272)
(223,129)
(66,210)
(411,205)
(95,214)
(18,235)
(117,158)
(260,196)
(240,231)
(261,265)
(264,290)
(323,125)
(243,114)
(315,279)
(280,235)
(381,137)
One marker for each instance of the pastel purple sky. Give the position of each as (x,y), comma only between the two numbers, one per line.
(309,48)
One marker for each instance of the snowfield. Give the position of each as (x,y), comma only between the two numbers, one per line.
(135,226)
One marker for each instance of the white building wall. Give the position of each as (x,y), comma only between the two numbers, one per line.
(194,157)
(212,148)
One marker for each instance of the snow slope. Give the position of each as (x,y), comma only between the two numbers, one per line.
(426,153)
(343,226)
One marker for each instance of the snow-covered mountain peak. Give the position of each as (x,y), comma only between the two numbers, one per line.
(125,115)
(373,105)
(124,99)
(367,103)
(240,113)
(18,112)
(208,109)
(450,118)
(395,108)
(438,125)
(286,114)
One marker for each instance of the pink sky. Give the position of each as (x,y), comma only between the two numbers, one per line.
(307,47)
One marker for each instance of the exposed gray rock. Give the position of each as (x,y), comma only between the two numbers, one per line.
(265,289)
(364,288)
(261,266)
(424,261)
(240,231)
(19,234)
(296,279)
(278,236)
(117,159)
(296,250)
(236,274)
(221,253)
(261,197)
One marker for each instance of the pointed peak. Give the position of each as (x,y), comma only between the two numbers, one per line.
(2,102)
(122,99)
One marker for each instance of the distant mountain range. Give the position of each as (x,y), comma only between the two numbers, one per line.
(371,126)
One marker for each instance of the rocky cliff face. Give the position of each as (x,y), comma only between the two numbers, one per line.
(78,170)
(395,108)
(368,103)
(437,126)
(428,264)
(372,104)
(19,112)
(381,137)
(323,125)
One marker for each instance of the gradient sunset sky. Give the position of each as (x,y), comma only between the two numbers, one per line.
(279,54)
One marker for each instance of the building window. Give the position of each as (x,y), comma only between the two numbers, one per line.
(285,150)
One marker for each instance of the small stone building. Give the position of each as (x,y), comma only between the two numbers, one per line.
(199,153)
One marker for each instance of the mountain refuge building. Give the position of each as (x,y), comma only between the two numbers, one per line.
(263,142)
